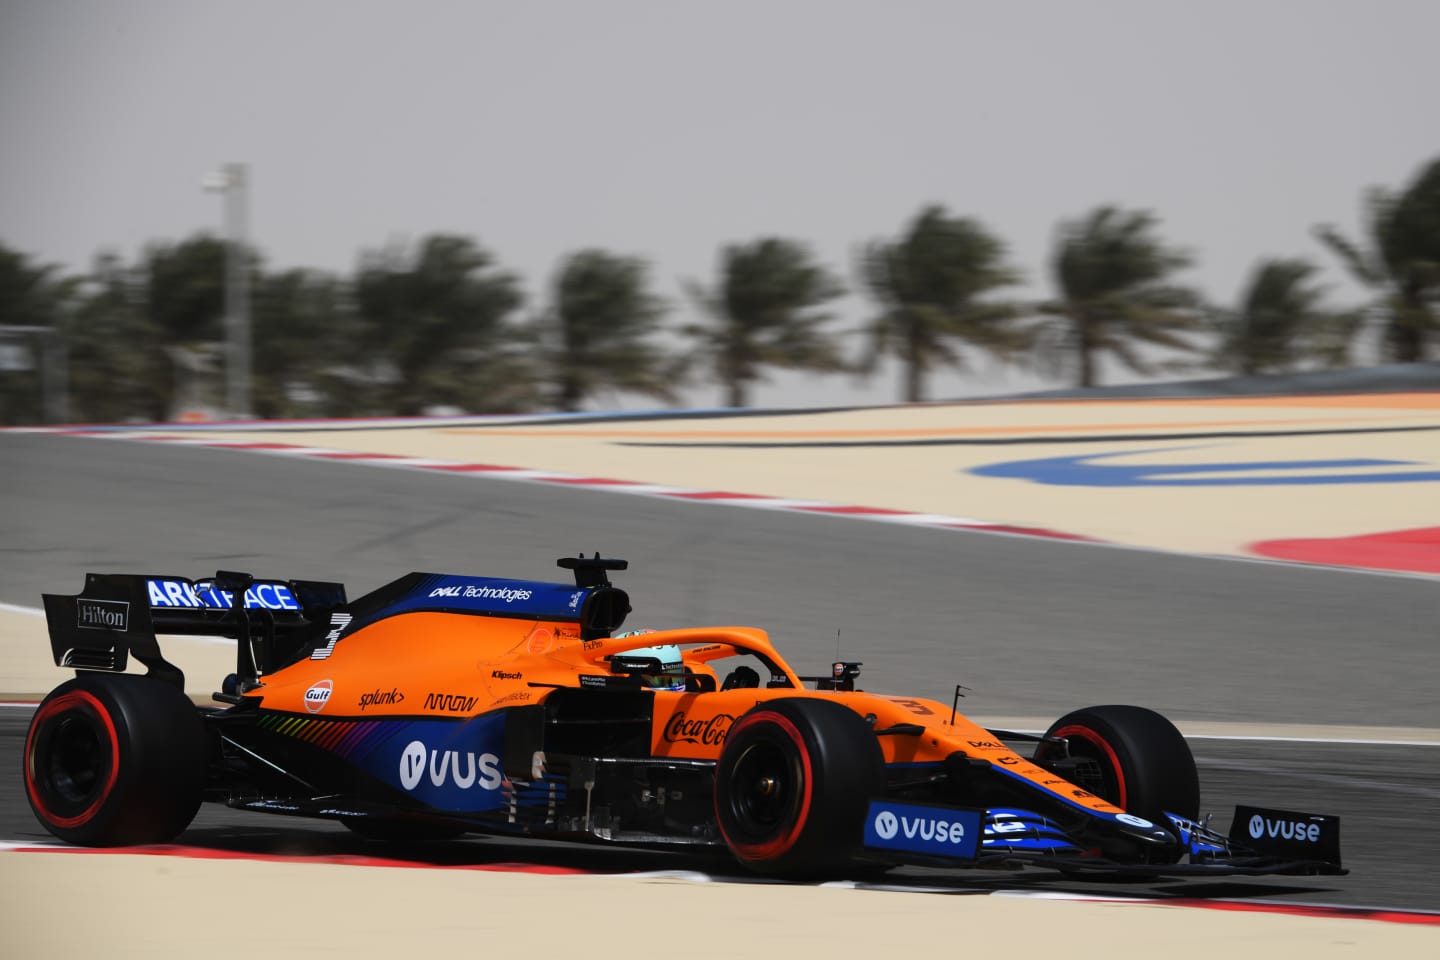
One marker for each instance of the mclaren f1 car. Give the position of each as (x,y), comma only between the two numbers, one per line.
(439,705)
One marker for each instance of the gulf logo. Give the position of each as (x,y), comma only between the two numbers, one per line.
(318,695)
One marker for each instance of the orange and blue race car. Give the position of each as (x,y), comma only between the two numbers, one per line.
(440,705)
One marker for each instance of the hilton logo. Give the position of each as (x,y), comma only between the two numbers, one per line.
(102,614)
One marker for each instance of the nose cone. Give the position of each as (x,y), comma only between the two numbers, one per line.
(1160,842)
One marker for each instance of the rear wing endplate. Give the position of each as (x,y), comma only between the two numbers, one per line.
(117,616)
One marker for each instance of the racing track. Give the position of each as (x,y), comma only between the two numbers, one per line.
(1032,627)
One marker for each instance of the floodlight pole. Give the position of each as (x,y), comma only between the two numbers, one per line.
(233,182)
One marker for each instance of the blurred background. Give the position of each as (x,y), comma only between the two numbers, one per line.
(218,209)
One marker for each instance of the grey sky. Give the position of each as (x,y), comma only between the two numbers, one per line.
(666,129)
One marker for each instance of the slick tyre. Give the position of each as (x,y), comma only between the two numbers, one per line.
(793,786)
(115,759)
(1141,763)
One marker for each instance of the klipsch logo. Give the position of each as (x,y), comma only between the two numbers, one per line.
(318,695)
(102,614)
(711,731)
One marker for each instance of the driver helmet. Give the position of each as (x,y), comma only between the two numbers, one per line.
(672,672)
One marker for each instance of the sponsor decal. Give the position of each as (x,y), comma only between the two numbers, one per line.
(710,731)
(458,768)
(506,674)
(182,594)
(1134,821)
(522,697)
(539,641)
(592,644)
(318,695)
(575,599)
(985,745)
(102,614)
(1286,833)
(450,702)
(937,831)
(1008,761)
(914,706)
(472,592)
(381,698)
(1284,829)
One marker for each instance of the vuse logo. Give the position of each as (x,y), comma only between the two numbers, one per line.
(1284,829)
(460,768)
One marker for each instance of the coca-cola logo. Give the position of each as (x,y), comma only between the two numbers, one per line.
(711,731)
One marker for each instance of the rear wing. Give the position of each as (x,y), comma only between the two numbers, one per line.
(117,616)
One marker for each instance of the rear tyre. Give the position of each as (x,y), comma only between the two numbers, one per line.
(1141,763)
(115,759)
(793,785)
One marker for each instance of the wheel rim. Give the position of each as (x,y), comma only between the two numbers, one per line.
(1088,744)
(70,764)
(767,791)
(765,788)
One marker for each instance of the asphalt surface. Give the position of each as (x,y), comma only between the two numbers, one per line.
(1032,627)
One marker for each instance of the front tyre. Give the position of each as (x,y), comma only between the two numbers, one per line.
(115,759)
(793,785)
(1131,756)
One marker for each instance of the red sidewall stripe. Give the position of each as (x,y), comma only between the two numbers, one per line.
(83,702)
(779,846)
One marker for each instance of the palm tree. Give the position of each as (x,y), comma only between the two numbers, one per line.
(185,289)
(34,305)
(930,284)
(1281,322)
(119,369)
(1113,273)
(597,331)
(1402,264)
(306,340)
(437,324)
(766,313)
